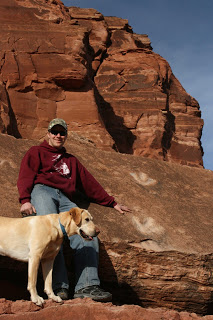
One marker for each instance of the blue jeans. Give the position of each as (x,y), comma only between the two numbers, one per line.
(48,200)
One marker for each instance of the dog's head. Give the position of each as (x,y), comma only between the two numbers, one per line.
(81,222)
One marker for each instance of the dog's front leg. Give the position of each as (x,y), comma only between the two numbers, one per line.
(47,268)
(33,265)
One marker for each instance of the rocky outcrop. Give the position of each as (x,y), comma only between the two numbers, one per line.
(87,309)
(96,73)
(149,278)
(159,255)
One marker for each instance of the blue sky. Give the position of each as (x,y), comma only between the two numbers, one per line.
(182,33)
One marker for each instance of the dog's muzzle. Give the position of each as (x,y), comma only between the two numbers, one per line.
(87,237)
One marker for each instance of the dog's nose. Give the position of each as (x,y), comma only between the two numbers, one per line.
(97,231)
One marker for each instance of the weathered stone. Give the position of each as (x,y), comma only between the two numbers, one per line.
(4,110)
(140,84)
(53,53)
(87,14)
(50,10)
(142,41)
(94,22)
(115,23)
(160,254)
(168,279)
(87,309)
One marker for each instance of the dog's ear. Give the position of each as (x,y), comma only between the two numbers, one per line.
(76,215)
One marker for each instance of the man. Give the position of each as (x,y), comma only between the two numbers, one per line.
(48,179)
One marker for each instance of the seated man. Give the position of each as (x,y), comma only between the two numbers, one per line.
(48,179)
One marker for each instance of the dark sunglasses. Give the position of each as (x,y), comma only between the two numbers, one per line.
(55,132)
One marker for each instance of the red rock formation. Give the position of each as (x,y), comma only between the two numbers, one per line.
(118,94)
(87,309)
(97,74)
(159,255)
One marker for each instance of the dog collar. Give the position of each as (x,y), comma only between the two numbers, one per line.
(63,229)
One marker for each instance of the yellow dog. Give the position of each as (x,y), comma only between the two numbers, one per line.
(38,239)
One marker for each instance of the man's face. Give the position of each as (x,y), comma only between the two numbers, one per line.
(57,136)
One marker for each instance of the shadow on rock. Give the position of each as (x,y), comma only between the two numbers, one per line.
(122,292)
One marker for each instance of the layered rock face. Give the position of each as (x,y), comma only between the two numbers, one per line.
(96,73)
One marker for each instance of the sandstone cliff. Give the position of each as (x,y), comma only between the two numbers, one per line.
(96,73)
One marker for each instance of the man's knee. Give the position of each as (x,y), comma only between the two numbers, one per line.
(43,201)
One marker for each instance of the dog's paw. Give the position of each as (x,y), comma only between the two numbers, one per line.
(39,301)
(56,298)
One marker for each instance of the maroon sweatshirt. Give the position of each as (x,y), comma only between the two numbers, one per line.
(58,169)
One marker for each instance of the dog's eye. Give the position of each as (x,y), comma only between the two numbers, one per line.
(87,219)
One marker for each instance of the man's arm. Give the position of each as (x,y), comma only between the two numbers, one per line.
(96,192)
(28,170)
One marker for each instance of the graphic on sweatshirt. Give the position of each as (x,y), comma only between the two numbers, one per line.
(60,166)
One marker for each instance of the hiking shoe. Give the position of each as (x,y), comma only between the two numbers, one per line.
(63,293)
(95,293)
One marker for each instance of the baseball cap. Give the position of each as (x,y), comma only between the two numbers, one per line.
(57,121)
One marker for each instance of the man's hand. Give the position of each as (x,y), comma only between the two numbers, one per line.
(121,208)
(27,209)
